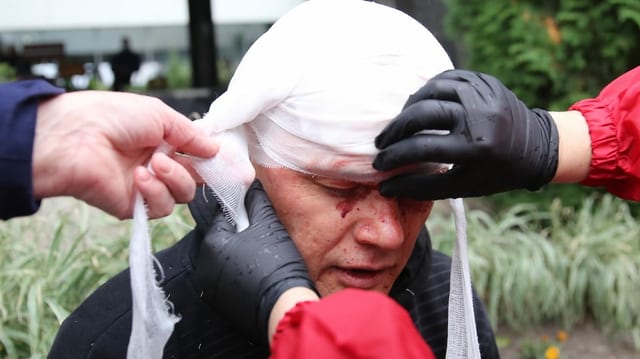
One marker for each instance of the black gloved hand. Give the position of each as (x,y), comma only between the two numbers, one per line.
(243,274)
(495,142)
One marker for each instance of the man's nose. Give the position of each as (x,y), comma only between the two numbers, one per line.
(380,222)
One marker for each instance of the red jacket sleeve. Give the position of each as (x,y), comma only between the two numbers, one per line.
(349,324)
(614,126)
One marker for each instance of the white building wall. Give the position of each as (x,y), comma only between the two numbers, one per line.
(96,26)
(87,14)
(93,29)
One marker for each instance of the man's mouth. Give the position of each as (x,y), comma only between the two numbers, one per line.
(360,278)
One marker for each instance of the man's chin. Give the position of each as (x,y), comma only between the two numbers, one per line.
(360,283)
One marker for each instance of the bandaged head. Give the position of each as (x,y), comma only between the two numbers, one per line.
(312,93)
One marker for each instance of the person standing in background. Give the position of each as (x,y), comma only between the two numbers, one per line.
(124,64)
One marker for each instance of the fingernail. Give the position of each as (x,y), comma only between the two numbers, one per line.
(213,147)
(143,174)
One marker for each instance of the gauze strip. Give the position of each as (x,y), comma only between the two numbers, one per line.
(152,318)
(462,338)
(311,94)
(152,321)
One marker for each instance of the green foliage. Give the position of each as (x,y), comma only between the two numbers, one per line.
(561,265)
(545,347)
(51,261)
(550,53)
(225,72)
(178,72)
(7,72)
(532,349)
(96,84)
(570,195)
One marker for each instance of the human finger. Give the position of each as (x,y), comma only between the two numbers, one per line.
(424,148)
(180,133)
(423,115)
(221,232)
(187,162)
(175,177)
(158,199)
(422,187)
(258,204)
(443,86)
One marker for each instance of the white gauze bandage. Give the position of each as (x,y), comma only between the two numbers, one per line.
(312,93)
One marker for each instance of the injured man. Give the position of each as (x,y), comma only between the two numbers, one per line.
(298,121)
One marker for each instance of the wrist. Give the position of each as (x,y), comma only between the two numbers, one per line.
(544,147)
(61,137)
(574,157)
(285,302)
(48,151)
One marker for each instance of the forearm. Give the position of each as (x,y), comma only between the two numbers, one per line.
(288,300)
(574,148)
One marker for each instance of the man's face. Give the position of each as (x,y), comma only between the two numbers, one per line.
(348,234)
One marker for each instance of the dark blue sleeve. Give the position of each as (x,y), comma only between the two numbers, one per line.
(18,111)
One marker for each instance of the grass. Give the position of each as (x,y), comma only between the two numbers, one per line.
(51,261)
(532,265)
(558,265)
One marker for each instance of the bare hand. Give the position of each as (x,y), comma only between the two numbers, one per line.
(95,146)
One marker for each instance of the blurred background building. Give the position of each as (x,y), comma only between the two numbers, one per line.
(73,39)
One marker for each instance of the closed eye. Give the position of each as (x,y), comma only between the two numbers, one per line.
(339,188)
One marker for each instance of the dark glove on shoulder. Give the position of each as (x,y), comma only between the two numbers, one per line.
(493,140)
(243,274)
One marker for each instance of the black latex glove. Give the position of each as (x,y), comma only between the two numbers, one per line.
(495,142)
(243,274)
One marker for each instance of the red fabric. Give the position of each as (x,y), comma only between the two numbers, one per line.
(614,126)
(350,324)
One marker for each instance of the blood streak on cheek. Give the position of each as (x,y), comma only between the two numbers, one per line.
(344,207)
(347,205)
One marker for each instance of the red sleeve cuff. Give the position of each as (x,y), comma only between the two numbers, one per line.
(604,141)
(613,119)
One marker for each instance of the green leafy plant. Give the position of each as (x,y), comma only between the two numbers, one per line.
(51,261)
(178,71)
(550,53)
(561,265)
(545,347)
(7,72)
